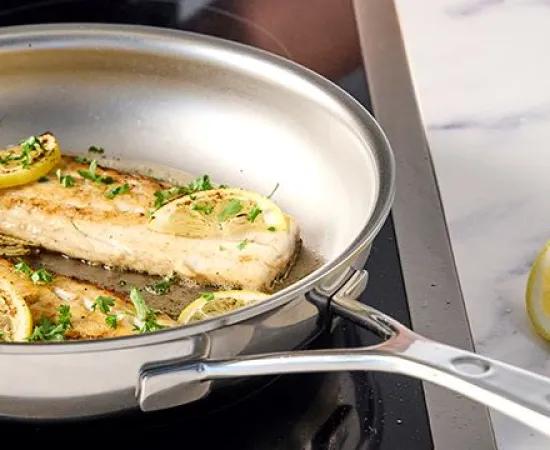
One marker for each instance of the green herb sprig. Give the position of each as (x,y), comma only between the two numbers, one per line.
(92,175)
(40,276)
(50,330)
(117,190)
(162,287)
(145,314)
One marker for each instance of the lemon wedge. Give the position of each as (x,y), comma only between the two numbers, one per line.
(538,293)
(212,304)
(15,316)
(28,161)
(218,213)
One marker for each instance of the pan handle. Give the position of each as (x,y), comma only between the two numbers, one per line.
(522,395)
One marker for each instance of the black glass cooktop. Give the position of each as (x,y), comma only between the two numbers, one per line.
(332,411)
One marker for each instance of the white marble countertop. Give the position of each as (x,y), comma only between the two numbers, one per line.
(482,77)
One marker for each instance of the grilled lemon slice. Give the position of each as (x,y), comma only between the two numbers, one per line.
(212,304)
(15,316)
(538,293)
(218,213)
(28,161)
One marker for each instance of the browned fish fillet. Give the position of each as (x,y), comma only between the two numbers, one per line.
(81,222)
(87,321)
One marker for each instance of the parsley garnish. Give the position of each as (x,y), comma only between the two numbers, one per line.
(111,320)
(65,180)
(118,190)
(205,208)
(162,287)
(271,228)
(143,313)
(91,174)
(253,213)
(29,144)
(232,208)
(40,276)
(201,183)
(243,244)
(81,159)
(208,296)
(23,267)
(104,303)
(49,330)
(94,149)
(164,196)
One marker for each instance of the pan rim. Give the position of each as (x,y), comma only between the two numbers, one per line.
(60,36)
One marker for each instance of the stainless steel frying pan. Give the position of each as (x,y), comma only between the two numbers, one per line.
(249,119)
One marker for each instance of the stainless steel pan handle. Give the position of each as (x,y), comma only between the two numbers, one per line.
(522,395)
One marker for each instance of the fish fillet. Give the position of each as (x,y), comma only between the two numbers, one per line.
(82,223)
(86,323)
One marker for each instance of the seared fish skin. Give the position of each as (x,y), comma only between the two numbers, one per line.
(86,322)
(82,222)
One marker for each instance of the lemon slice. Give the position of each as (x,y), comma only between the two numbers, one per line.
(218,213)
(214,304)
(15,316)
(538,293)
(28,161)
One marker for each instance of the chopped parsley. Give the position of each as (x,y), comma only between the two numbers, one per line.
(243,244)
(164,196)
(201,183)
(111,320)
(65,180)
(90,174)
(40,276)
(43,179)
(162,287)
(50,330)
(95,149)
(253,213)
(103,303)
(167,195)
(26,146)
(118,190)
(29,144)
(273,191)
(81,159)
(272,228)
(205,208)
(232,208)
(144,314)
(208,296)
(23,267)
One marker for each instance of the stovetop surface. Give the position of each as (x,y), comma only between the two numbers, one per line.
(313,411)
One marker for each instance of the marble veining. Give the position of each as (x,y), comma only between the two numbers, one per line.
(482,77)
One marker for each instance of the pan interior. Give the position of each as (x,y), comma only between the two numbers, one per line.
(203,107)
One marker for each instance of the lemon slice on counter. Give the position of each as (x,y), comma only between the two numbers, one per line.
(15,316)
(538,293)
(218,213)
(212,304)
(28,161)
